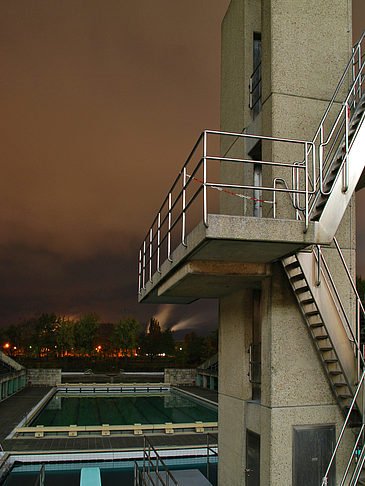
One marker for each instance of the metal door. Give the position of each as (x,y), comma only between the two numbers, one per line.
(312,450)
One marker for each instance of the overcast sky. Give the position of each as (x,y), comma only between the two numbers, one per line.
(101,102)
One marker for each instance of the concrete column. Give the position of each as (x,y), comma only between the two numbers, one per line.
(235,318)
(198,380)
(211,382)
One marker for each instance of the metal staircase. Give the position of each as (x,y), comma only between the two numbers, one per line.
(341,155)
(326,326)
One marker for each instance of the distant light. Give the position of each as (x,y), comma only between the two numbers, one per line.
(14,347)
(7,345)
(180,349)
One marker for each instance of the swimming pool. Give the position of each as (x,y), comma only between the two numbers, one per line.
(88,411)
(123,410)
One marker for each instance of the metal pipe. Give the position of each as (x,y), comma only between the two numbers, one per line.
(342,430)
(318,280)
(183,227)
(144,266)
(169,232)
(205,210)
(158,242)
(345,170)
(150,258)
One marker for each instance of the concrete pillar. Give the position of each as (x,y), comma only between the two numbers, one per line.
(198,380)
(211,382)
(305,48)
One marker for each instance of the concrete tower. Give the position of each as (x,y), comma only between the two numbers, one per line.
(279,253)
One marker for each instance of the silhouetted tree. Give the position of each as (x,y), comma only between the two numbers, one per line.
(85,330)
(125,334)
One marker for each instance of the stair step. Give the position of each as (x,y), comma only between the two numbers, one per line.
(335,372)
(312,313)
(316,324)
(300,290)
(292,265)
(307,301)
(331,360)
(322,337)
(297,278)
(340,384)
(326,349)
(344,396)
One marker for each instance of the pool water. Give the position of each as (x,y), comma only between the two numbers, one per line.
(150,408)
(119,472)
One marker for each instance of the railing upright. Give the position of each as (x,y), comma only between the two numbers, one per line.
(144,265)
(158,241)
(183,224)
(169,232)
(205,209)
(150,255)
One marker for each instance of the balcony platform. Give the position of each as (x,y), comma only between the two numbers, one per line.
(231,253)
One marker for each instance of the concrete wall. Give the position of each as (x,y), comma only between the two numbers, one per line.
(50,377)
(177,376)
(305,48)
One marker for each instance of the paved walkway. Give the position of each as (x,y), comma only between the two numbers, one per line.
(14,408)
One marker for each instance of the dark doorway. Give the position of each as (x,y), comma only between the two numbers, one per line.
(312,450)
(252,459)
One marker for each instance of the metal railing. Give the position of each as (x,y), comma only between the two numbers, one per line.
(334,128)
(355,337)
(153,465)
(194,184)
(211,450)
(40,477)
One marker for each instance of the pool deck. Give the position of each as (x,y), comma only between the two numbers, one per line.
(13,410)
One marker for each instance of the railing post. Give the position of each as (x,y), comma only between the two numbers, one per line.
(360,74)
(318,279)
(205,217)
(139,271)
(306,189)
(183,229)
(150,257)
(158,241)
(144,266)
(345,165)
(169,232)
(320,155)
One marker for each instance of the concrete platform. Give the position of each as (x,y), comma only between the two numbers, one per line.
(187,477)
(231,252)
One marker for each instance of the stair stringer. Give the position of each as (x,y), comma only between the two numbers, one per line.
(338,200)
(325,326)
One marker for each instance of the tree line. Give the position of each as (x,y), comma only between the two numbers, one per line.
(51,335)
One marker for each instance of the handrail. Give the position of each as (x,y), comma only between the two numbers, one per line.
(148,464)
(169,227)
(356,341)
(325,477)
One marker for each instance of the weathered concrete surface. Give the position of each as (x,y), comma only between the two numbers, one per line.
(232,239)
(180,376)
(40,376)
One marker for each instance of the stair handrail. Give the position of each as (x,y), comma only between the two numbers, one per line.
(350,63)
(325,477)
(355,339)
(356,81)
